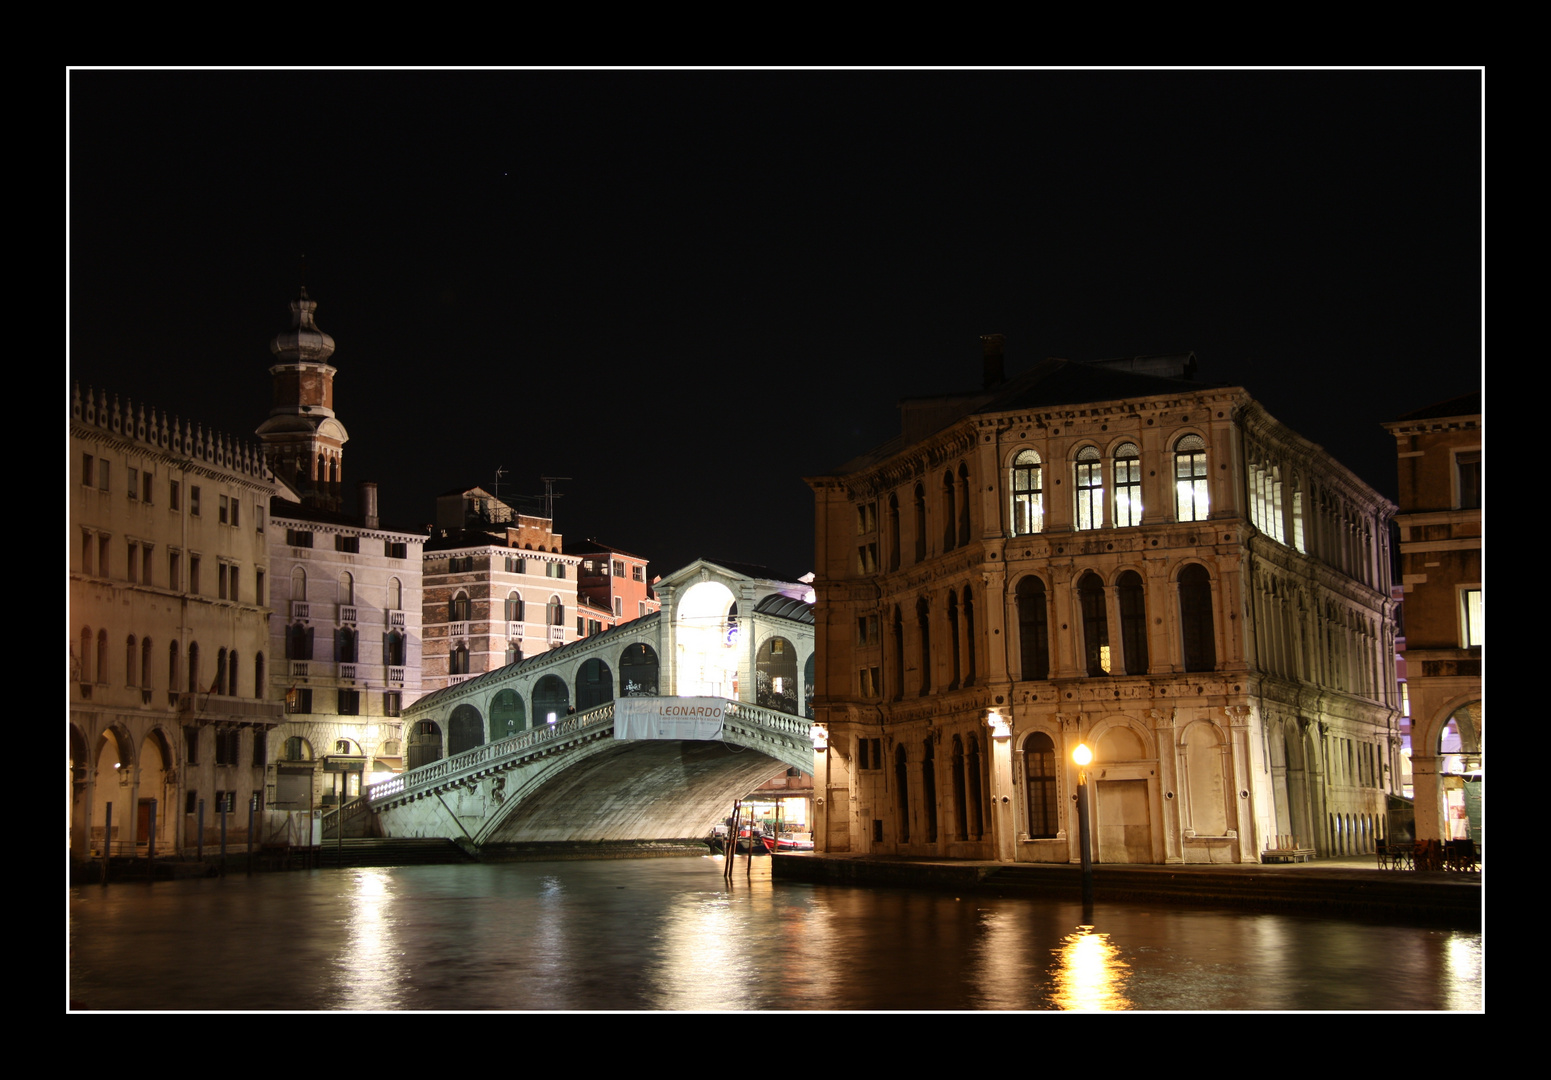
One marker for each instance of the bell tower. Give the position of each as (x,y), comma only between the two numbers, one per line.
(303,441)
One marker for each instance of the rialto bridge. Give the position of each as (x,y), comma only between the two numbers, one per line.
(645,732)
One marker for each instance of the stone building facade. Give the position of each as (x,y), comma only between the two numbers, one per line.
(169,642)
(1439,452)
(1106,553)
(496,588)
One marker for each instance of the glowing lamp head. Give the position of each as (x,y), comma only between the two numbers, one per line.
(1082,755)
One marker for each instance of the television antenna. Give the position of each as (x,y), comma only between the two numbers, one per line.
(550,496)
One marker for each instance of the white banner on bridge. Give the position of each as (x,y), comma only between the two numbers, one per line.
(668,717)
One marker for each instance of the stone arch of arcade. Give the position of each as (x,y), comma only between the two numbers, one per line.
(527,779)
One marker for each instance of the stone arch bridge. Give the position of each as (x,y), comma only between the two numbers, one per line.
(575,782)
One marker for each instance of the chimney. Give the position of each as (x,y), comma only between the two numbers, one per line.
(368,504)
(991,350)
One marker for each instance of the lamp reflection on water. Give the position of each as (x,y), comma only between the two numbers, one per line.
(1090,974)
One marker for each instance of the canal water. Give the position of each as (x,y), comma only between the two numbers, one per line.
(669,934)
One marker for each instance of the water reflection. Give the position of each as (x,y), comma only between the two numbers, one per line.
(670,934)
(1090,974)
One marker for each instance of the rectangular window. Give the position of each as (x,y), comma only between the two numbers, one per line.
(641,608)
(619,568)
(638,573)
(174,493)
(394,551)
(579,630)
(191,802)
(461,564)
(1474,618)
(191,744)
(392,703)
(554,570)
(88,549)
(1090,490)
(258,517)
(226,746)
(298,701)
(223,510)
(225,802)
(103,483)
(132,568)
(351,544)
(260,749)
(349,703)
(193,500)
(236,512)
(86,470)
(619,606)
(220,581)
(103,562)
(258,587)
(174,570)
(145,565)
(231,589)
(1467,465)
(516,566)
(134,484)
(193,574)
(301,538)
(145,487)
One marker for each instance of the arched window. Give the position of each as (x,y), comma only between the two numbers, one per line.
(296,749)
(929,789)
(594,684)
(220,672)
(1039,773)
(1133,622)
(1195,616)
(231,673)
(102,657)
(86,654)
(507,716)
(1033,629)
(1028,494)
(969,638)
(425,743)
(775,676)
(458,608)
(172,666)
(554,612)
(920,513)
(393,649)
(395,594)
(551,700)
(298,642)
(902,787)
(458,660)
(976,792)
(258,676)
(1128,485)
(897,676)
(347,589)
(949,515)
(953,638)
(1095,624)
(638,671)
(193,667)
(960,801)
(924,626)
(465,730)
(1190,498)
(345,645)
(893,532)
(963,504)
(513,607)
(298,583)
(131,655)
(1089,474)
(145,664)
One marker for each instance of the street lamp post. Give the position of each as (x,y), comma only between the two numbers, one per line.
(1082,756)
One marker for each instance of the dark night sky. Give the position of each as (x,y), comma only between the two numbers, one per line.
(687,290)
